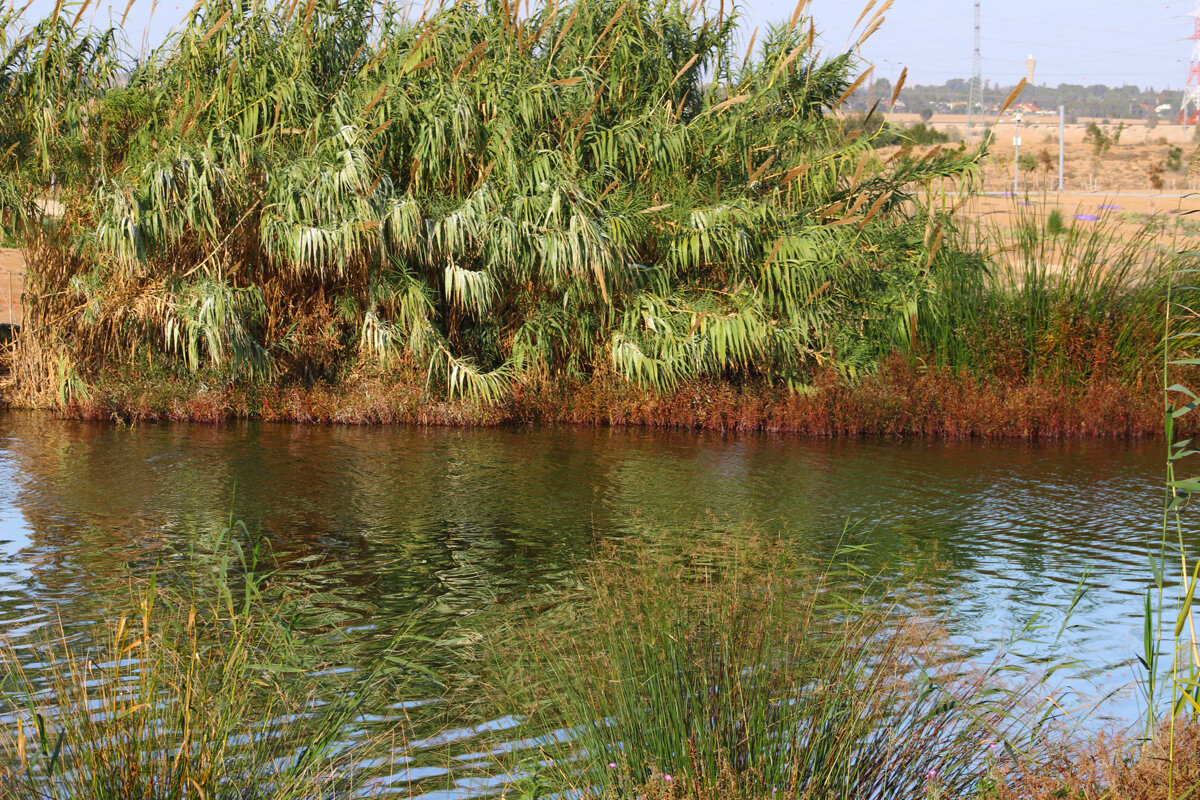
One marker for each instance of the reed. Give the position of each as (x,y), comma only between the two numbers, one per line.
(202,688)
(696,667)
(484,202)
(1084,305)
(485,195)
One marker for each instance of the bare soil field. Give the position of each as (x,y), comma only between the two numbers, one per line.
(1139,159)
(12,282)
(1142,180)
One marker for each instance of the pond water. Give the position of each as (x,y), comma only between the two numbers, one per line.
(451,523)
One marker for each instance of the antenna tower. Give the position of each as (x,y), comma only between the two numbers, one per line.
(975,96)
(1191,95)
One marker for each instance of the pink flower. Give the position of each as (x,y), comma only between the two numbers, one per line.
(612,765)
(666,777)
(931,774)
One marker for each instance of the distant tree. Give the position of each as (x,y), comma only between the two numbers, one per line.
(1174,161)
(1088,101)
(926,114)
(1099,138)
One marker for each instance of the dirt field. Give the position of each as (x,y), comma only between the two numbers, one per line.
(1142,179)
(1131,164)
(12,279)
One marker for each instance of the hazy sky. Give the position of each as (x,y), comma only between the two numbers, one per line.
(1141,42)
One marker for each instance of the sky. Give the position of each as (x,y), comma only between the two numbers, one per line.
(1115,42)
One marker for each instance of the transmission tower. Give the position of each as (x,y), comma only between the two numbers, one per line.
(975,95)
(1191,95)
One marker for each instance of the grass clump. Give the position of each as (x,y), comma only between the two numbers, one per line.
(688,667)
(1081,306)
(207,688)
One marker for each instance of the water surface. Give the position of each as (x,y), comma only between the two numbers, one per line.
(389,522)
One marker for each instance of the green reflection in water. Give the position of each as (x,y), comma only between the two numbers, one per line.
(387,524)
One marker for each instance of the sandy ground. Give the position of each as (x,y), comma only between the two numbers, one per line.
(12,280)
(1128,166)
(1134,184)
(1040,125)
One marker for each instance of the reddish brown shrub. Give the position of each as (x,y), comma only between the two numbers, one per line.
(901,399)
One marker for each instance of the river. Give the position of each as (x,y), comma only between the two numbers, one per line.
(453,523)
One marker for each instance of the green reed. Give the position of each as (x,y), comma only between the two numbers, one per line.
(204,687)
(1081,304)
(697,666)
(1179,636)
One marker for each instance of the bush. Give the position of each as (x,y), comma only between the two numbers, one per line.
(922,134)
(1054,223)
(1174,159)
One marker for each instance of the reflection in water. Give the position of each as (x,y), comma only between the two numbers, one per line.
(386,522)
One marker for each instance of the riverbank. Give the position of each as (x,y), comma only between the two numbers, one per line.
(612,257)
(902,398)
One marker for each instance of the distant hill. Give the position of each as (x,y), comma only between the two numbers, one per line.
(1123,102)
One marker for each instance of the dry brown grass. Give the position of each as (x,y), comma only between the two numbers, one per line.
(1112,768)
(1104,768)
(902,399)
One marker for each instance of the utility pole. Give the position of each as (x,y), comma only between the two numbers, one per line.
(1017,156)
(1062,136)
(975,94)
(1191,95)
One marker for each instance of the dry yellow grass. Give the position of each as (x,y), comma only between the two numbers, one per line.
(12,281)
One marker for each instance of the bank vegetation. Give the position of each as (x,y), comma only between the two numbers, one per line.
(594,211)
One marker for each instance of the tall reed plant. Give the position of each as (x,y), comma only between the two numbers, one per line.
(1085,304)
(1172,647)
(702,668)
(478,197)
(202,688)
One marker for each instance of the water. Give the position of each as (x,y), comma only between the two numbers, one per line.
(388,522)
